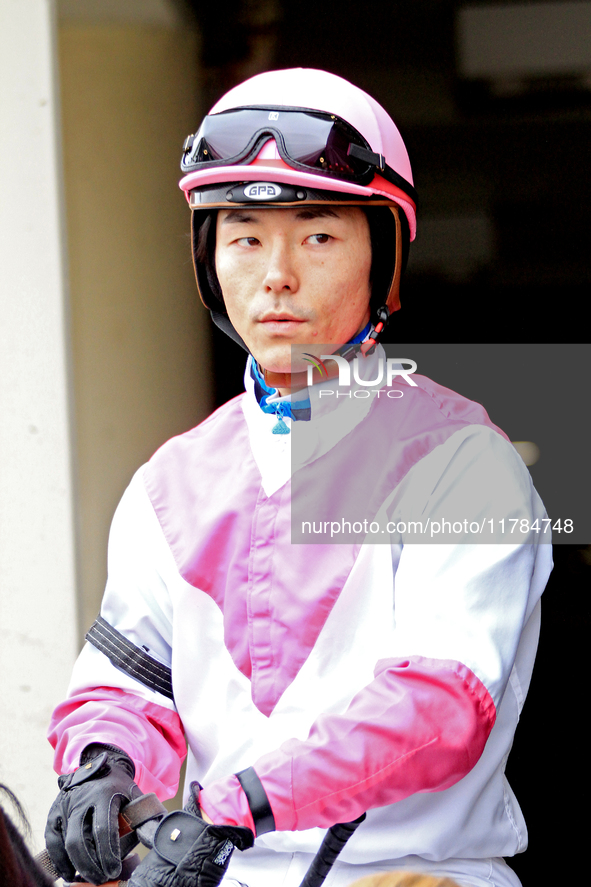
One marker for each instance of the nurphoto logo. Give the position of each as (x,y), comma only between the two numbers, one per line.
(387,368)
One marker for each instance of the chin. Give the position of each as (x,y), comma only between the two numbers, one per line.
(272,361)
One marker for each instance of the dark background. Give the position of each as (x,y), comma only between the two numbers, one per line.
(502,256)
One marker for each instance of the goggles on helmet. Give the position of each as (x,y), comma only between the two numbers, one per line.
(312,141)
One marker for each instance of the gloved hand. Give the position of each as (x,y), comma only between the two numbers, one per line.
(188,852)
(82,832)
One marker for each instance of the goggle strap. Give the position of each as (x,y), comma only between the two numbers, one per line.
(368,156)
(379,161)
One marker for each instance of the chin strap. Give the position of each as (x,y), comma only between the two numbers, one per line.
(369,347)
(289,382)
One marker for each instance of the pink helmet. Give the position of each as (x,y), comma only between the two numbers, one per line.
(295,136)
(305,88)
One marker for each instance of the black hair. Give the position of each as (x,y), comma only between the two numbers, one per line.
(204,250)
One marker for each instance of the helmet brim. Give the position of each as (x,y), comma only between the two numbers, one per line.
(278,171)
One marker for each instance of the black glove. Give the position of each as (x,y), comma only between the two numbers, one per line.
(82,832)
(189,852)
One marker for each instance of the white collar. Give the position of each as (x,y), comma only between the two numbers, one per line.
(335,412)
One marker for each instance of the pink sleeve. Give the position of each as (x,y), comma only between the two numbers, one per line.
(420,726)
(150,734)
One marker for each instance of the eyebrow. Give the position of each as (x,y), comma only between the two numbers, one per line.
(316,212)
(238,216)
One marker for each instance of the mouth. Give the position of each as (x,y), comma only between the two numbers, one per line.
(281,323)
(280,317)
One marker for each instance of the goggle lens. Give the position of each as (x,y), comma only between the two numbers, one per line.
(319,142)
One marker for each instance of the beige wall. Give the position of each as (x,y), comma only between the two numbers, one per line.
(37,552)
(140,338)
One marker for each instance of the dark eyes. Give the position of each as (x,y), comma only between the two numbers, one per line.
(315,239)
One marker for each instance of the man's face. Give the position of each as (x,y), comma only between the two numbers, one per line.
(294,276)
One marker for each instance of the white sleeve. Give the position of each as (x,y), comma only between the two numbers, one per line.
(468,598)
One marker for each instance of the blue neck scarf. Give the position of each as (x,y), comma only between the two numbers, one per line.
(295,410)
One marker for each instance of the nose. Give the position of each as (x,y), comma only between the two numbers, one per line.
(280,276)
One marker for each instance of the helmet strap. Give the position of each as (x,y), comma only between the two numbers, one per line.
(369,346)
(222,321)
(393,298)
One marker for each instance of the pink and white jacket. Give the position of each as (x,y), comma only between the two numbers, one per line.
(386,678)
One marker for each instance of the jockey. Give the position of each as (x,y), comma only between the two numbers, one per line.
(309,681)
